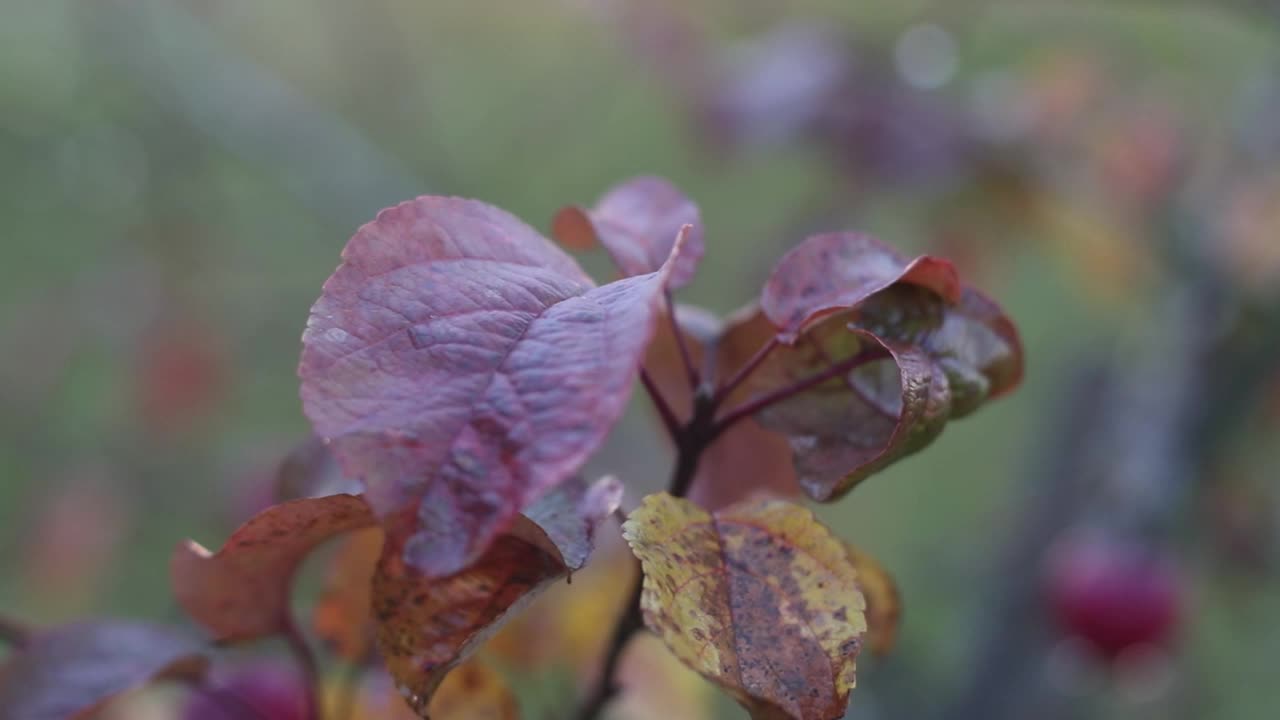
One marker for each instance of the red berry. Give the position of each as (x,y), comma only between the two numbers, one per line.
(1114,595)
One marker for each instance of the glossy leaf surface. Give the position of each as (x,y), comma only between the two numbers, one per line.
(919,349)
(759,598)
(463,366)
(837,271)
(242,591)
(637,222)
(72,670)
(426,626)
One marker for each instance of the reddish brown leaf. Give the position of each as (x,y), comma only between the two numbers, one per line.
(836,271)
(856,424)
(462,366)
(242,591)
(341,616)
(759,598)
(637,222)
(928,349)
(73,670)
(427,627)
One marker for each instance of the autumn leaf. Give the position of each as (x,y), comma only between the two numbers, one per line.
(747,459)
(836,271)
(73,670)
(637,222)
(474,691)
(242,592)
(914,348)
(462,366)
(759,598)
(892,404)
(426,627)
(884,602)
(341,616)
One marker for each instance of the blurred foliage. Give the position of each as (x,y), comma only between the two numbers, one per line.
(177,179)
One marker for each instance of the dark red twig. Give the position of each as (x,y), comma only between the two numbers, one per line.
(686,358)
(744,372)
(760,402)
(669,420)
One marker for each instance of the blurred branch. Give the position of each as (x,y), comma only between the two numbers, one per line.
(328,164)
(1011,639)
(13,633)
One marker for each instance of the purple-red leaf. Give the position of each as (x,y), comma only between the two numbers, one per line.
(463,366)
(242,591)
(891,402)
(914,348)
(426,627)
(637,222)
(837,271)
(71,671)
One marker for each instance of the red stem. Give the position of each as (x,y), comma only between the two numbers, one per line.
(744,372)
(686,358)
(669,419)
(760,402)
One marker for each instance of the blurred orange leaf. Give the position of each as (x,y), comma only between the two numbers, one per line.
(341,616)
(884,602)
(759,598)
(242,591)
(426,627)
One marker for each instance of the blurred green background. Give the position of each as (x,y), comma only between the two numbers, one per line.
(177,180)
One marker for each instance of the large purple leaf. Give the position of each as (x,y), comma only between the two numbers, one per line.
(637,222)
(462,365)
(73,670)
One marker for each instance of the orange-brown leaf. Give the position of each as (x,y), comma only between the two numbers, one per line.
(759,598)
(242,591)
(342,617)
(426,627)
(884,602)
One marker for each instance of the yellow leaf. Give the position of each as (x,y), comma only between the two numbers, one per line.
(884,603)
(759,598)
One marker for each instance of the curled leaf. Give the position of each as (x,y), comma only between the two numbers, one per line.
(73,670)
(426,627)
(637,221)
(836,271)
(759,598)
(463,366)
(242,591)
(341,617)
(892,402)
(884,602)
(914,348)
